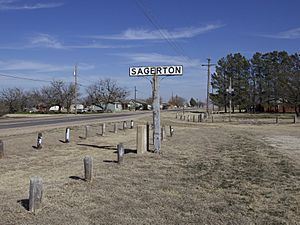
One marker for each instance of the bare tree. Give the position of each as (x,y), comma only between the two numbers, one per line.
(14,99)
(105,91)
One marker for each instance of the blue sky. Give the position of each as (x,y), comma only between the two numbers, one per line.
(42,40)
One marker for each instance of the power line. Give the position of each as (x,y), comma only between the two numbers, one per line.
(177,48)
(24,78)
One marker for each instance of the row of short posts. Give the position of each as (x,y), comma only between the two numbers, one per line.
(36,183)
(201,117)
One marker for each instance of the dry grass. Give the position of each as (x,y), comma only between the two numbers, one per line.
(206,174)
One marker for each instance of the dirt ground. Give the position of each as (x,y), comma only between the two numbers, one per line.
(208,173)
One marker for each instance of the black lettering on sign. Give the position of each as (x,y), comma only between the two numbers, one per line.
(132,71)
(158,70)
(140,71)
(153,70)
(146,71)
(178,70)
(171,70)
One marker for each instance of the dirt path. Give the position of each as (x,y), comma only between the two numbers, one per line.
(206,174)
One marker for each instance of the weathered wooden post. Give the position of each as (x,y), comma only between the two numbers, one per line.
(184,118)
(103,129)
(35,193)
(116,128)
(1,149)
(295,118)
(194,118)
(67,135)
(124,125)
(171,131)
(276,120)
(180,117)
(188,118)
(39,141)
(212,118)
(176,117)
(88,168)
(120,148)
(148,135)
(163,133)
(199,118)
(131,124)
(87,128)
(141,139)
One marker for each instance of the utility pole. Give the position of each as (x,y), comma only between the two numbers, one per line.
(230,90)
(135,98)
(208,81)
(156,113)
(75,84)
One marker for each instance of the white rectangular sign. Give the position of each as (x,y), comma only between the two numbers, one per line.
(155,70)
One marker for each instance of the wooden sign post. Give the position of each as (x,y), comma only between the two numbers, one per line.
(155,72)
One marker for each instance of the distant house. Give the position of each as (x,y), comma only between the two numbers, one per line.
(114,107)
(80,108)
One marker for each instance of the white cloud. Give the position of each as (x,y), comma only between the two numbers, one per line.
(142,34)
(15,5)
(160,59)
(289,34)
(45,40)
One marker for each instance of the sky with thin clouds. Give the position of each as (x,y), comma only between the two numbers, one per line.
(43,39)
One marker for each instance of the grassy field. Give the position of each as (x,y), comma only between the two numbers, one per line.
(208,173)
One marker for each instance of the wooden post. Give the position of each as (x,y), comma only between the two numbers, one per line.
(194,118)
(88,168)
(148,135)
(171,131)
(180,117)
(35,193)
(124,125)
(295,118)
(163,133)
(141,139)
(131,124)
(1,149)
(39,141)
(87,131)
(176,117)
(116,128)
(67,135)
(120,148)
(212,118)
(188,118)
(276,120)
(103,129)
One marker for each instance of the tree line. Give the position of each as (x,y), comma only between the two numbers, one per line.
(61,94)
(264,83)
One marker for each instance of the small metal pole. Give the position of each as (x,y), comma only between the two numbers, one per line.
(39,141)
(148,135)
(67,135)
(103,129)
(131,124)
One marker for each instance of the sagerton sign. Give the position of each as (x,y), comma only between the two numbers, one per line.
(155,70)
